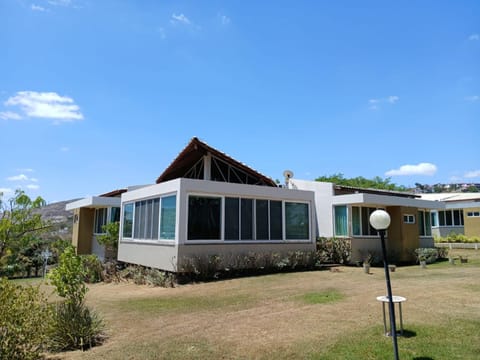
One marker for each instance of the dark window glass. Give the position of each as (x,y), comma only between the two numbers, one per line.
(297,221)
(356,227)
(441,218)
(232,219)
(168,217)
(115,214)
(448,218)
(247,219)
(204,218)
(421,223)
(127,220)
(261,219)
(275,220)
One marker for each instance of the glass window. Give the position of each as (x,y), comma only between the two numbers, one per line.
(232,218)
(448,218)
(356,224)
(428,226)
(204,218)
(409,219)
(421,223)
(127,220)
(341,225)
(276,220)
(434,216)
(261,219)
(441,218)
(297,224)
(100,220)
(168,217)
(456,217)
(247,219)
(114,214)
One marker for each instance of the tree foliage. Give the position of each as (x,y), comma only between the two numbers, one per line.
(376,183)
(20,230)
(24,321)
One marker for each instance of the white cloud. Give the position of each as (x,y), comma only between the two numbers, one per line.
(225,20)
(33,186)
(60,2)
(47,105)
(37,8)
(474,37)
(180,19)
(34,179)
(472,174)
(420,169)
(375,103)
(64,149)
(161,31)
(9,115)
(21,177)
(392,99)
(473,98)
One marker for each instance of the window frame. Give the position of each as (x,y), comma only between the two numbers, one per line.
(409,219)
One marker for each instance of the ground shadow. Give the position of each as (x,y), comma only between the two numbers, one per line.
(409,334)
(423,358)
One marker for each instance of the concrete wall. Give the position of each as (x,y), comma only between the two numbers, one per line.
(472,224)
(444,231)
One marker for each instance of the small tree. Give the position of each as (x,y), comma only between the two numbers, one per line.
(75,325)
(20,228)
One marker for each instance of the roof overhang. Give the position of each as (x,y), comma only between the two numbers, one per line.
(385,200)
(94,202)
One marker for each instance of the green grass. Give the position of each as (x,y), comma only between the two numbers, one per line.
(160,305)
(322,297)
(458,339)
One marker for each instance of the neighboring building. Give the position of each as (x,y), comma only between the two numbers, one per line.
(207,203)
(89,216)
(461,214)
(344,211)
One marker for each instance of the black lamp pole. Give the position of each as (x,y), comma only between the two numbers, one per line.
(393,327)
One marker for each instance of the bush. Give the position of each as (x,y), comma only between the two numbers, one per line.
(334,250)
(93,268)
(454,237)
(75,326)
(24,320)
(442,252)
(430,255)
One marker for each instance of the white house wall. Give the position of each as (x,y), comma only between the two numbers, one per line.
(165,254)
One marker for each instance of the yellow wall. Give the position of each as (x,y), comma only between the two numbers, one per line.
(402,238)
(82,232)
(471,224)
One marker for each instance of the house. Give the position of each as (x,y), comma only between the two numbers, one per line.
(461,214)
(207,203)
(344,211)
(89,216)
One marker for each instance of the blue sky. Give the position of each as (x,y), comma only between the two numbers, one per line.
(98,95)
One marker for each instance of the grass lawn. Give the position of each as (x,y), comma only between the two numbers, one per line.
(309,315)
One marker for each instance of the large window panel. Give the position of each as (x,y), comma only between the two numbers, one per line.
(297,223)
(428,225)
(100,220)
(356,221)
(168,217)
(232,218)
(261,219)
(341,224)
(204,218)
(276,220)
(127,220)
(246,219)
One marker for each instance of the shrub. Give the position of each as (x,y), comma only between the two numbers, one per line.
(442,252)
(93,268)
(430,255)
(24,319)
(75,326)
(334,250)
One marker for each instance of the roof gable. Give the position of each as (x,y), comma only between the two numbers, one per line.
(197,155)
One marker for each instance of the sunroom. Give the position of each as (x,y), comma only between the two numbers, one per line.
(164,224)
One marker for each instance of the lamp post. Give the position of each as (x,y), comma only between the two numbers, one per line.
(380,220)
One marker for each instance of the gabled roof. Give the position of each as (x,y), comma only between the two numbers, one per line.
(194,151)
